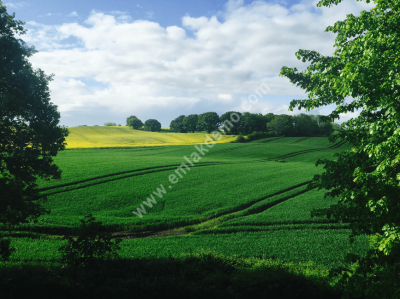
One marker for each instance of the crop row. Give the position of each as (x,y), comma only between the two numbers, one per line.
(337,145)
(325,247)
(266,228)
(201,194)
(294,210)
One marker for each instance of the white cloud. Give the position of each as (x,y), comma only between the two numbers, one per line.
(226,97)
(49,14)
(15,5)
(162,72)
(73,14)
(194,23)
(139,6)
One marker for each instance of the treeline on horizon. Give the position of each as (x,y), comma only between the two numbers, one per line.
(237,123)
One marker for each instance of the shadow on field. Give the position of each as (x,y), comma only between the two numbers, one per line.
(201,275)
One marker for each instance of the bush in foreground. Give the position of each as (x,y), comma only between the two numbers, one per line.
(90,246)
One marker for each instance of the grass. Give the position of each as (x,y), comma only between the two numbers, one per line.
(292,211)
(250,211)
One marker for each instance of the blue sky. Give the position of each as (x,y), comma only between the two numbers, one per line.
(160,59)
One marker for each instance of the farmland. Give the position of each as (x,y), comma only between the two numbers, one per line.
(235,200)
(122,136)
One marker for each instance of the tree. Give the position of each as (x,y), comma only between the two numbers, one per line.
(231,122)
(152,125)
(29,133)
(336,127)
(252,122)
(325,128)
(190,122)
(366,178)
(110,124)
(91,245)
(305,125)
(177,125)
(268,118)
(282,124)
(133,122)
(208,121)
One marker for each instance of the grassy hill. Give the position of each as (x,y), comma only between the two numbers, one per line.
(247,203)
(103,137)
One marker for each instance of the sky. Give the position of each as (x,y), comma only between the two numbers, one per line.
(158,59)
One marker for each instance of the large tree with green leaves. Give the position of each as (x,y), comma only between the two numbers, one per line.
(366,178)
(152,125)
(29,133)
(252,122)
(282,124)
(176,125)
(231,122)
(208,121)
(134,122)
(190,122)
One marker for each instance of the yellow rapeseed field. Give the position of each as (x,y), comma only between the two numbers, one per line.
(95,137)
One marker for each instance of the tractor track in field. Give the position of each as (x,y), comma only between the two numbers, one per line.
(289,155)
(123,172)
(130,173)
(300,140)
(179,229)
(269,140)
(241,146)
(227,149)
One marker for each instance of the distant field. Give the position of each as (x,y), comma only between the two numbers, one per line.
(103,137)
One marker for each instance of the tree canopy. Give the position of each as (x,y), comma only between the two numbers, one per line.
(208,121)
(177,124)
(190,122)
(152,125)
(134,122)
(29,133)
(366,178)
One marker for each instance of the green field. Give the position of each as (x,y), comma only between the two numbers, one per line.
(234,192)
(245,200)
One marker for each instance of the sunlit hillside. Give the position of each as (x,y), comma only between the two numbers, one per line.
(96,137)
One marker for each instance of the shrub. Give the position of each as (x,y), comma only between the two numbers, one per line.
(256,136)
(110,124)
(91,244)
(5,249)
(152,125)
(133,122)
(240,139)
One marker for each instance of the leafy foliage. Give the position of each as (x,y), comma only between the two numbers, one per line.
(190,122)
(133,122)
(240,139)
(208,121)
(90,245)
(365,178)
(152,125)
(257,135)
(228,123)
(29,135)
(5,249)
(110,124)
(177,125)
